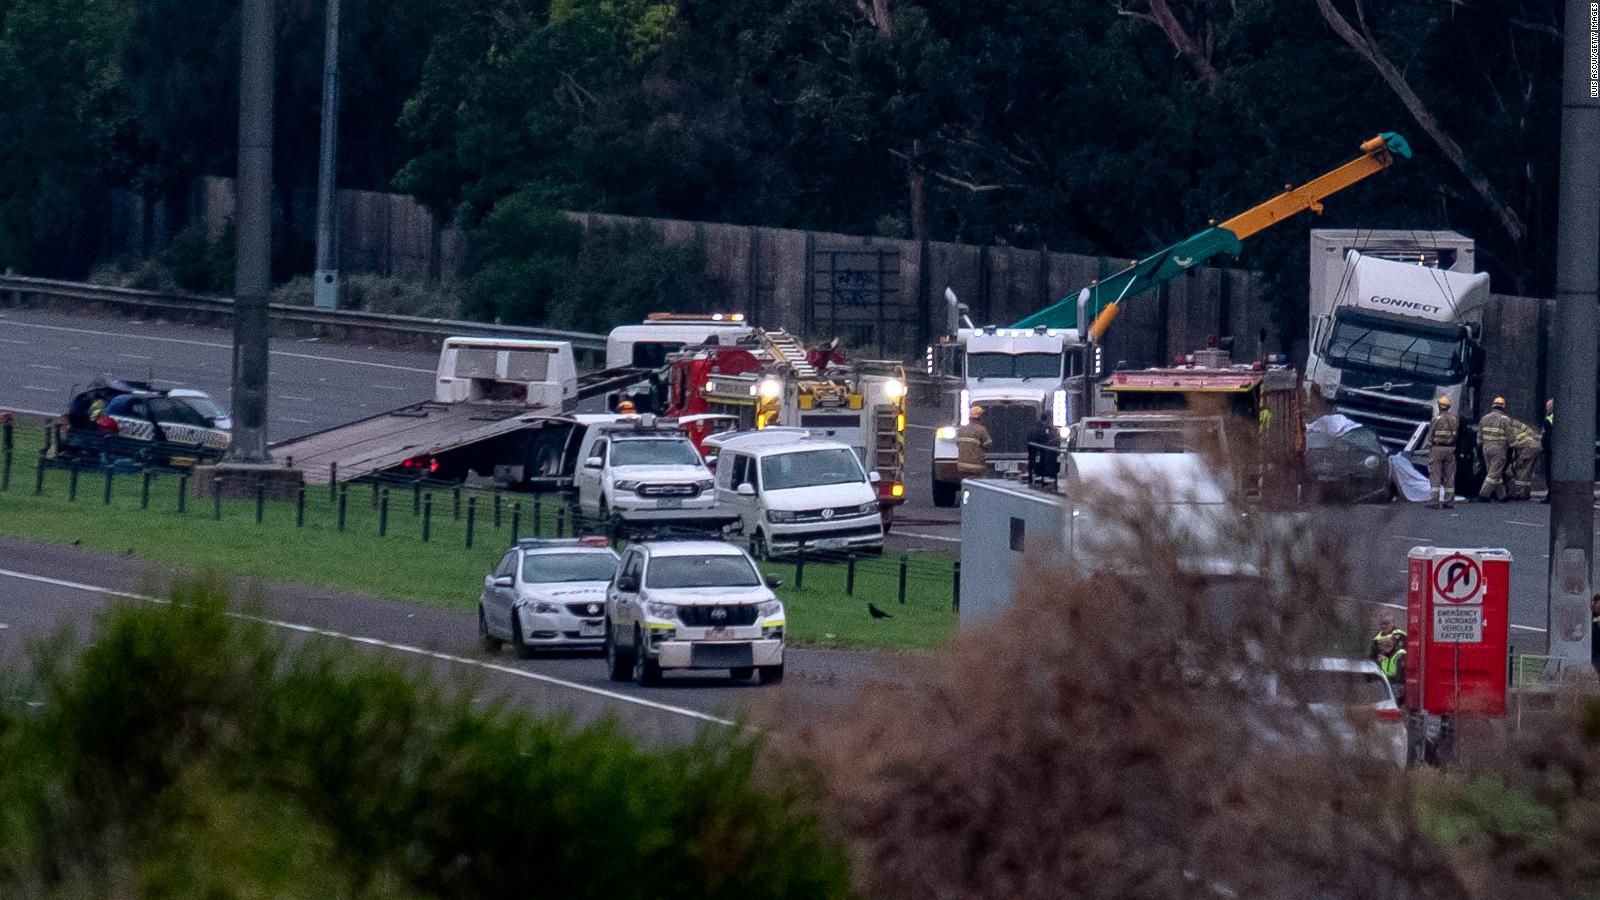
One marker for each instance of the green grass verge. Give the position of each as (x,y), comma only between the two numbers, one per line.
(440,572)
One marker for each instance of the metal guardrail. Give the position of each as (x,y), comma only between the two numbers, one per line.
(177,302)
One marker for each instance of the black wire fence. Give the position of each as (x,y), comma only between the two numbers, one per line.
(404,507)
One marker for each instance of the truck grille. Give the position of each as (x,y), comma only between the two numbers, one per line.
(1009,426)
(709,617)
(591,610)
(821,515)
(1393,418)
(669,490)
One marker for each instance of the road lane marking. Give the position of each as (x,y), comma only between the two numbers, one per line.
(35,387)
(388,387)
(133,356)
(13,341)
(221,346)
(47,368)
(1529,524)
(1407,537)
(296,399)
(387,645)
(297,421)
(923,536)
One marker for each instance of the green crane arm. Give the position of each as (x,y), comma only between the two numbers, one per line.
(1377,154)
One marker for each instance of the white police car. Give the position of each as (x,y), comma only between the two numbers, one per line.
(547,593)
(692,605)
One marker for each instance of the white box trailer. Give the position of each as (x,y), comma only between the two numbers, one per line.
(1009,526)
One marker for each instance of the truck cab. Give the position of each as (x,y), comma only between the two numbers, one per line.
(1395,324)
(1015,374)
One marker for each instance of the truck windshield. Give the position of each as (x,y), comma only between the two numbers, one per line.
(1437,355)
(809,468)
(664,452)
(1014,365)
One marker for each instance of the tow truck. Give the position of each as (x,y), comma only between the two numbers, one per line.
(1071,329)
(770,379)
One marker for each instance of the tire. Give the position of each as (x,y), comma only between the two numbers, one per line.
(888,518)
(758,545)
(489,641)
(519,645)
(619,662)
(646,671)
(772,674)
(945,493)
(741,673)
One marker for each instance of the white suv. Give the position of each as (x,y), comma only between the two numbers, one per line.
(547,593)
(635,473)
(692,605)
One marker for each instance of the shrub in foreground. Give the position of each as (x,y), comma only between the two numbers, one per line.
(185,752)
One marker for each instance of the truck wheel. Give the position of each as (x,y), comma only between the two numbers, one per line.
(758,546)
(646,671)
(888,518)
(945,492)
(772,674)
(489,641)
(619,663)
(519,645)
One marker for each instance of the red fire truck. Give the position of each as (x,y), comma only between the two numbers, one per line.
(769,378)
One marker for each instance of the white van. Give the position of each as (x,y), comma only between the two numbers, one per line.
(789,488)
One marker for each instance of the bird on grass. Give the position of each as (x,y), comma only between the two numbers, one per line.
(876,613)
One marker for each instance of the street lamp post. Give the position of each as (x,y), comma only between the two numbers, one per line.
(325,294)
(1571,474)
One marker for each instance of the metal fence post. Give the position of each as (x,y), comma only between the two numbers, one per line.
(344,501)
(455,505)
(216,499)
(427,517)
(850,575)
(800,566)
(7,444)
(183,493)
(144,490)
(955,588)
(496,507)
(561,521)
(333,481)
(903,562)
(516,520)
(261,501)
(538,516)
(472,518)
(300,506)
(383,513)
(110,473)
(38,479)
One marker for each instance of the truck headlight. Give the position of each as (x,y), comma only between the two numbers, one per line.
(770,609)
(545,607)
(947,433)
(705,484)
(894,389)
(629,486)
(867,508)
(780,515)
(661,611)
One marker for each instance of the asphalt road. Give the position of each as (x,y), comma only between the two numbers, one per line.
(45,588)
(314,384)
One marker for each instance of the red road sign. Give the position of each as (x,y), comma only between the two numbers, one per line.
(1457,579)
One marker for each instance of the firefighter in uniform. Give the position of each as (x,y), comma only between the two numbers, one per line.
(1386,631)
(1442,458)
(1494,435)
(972,446)
(1524,456)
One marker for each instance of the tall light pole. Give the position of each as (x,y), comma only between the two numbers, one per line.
(1571,473)
(252,272)
(326,279)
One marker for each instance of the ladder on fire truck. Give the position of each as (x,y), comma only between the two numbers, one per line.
(786,350)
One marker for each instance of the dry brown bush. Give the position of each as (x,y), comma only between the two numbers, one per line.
(1098,740)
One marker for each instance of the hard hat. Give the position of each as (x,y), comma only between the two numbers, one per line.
(1444,402)
(627,406)
(976,411)
(1499,401)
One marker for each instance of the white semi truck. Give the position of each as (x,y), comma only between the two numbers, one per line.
(1396,321)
